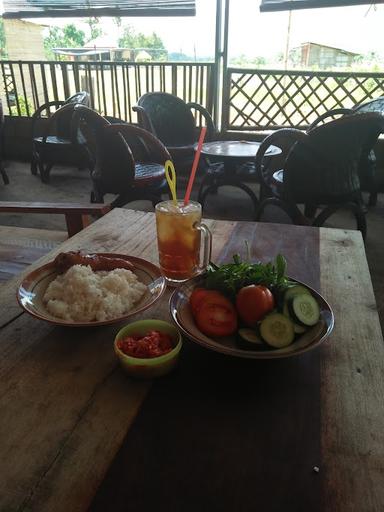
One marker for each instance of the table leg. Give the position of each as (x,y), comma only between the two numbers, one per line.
(229,177)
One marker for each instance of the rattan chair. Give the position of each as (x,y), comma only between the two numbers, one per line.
(54,145)
(171,120)
(367,164)
(321,169)
(123,159)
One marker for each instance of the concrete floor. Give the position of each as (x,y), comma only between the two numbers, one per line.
(71,185)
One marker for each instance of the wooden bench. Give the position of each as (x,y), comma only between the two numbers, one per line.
(77,216)
(20,247)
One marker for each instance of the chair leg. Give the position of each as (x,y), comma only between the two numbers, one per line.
(4,175)
(34,162)
(33,167)
(44,172)
(290,209)
(97,196)
(356,209)
(372,198)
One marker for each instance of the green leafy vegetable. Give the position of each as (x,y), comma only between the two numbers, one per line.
(229,278)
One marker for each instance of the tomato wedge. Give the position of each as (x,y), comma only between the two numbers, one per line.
(216,316)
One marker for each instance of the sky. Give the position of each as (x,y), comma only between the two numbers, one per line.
(358,29)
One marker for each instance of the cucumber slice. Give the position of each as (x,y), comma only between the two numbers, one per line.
(304,310)
(299,329)
(277,330)
(297,289)
(250,339)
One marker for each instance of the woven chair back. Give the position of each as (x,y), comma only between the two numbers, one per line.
(172,120)
(323,168)
(111,160)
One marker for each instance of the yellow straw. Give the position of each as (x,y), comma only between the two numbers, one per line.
(170,175)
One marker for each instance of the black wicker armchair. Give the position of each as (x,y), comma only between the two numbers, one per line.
(171,120)
(367,164)
(53,144)
(123,159)
(321,169)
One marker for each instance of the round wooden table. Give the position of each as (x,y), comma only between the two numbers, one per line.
(225,157)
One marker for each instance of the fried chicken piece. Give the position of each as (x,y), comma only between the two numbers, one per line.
(65,260)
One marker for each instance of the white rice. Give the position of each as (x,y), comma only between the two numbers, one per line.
(84,295)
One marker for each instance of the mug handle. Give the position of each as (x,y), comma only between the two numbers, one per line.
(207,236)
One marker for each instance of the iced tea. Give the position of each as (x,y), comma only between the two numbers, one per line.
(178,239)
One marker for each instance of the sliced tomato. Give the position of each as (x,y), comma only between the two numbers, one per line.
(201,295)
(196,297)
(216,318)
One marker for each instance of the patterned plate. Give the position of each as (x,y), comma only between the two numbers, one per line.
(32,289)
(182,315)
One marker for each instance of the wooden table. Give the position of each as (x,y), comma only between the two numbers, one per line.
(225,158)
(218,434)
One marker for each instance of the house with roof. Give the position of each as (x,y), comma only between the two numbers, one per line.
(311,54)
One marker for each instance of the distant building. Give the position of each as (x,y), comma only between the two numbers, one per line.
(143,56)
(24,40)
(97,53)
(87,54)
(308,55)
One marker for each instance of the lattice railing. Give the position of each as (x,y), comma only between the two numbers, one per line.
(270,99)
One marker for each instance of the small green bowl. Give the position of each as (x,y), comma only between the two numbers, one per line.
(149,368)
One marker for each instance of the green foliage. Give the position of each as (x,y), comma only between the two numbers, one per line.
(66,37)
(117,21)
(133,40)
(70,36)
(94,30)
(231,277)
(243,60)
(23,107)
(3,51)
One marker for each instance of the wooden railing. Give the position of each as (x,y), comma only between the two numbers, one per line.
(252,99)
(114,87)
(270,99)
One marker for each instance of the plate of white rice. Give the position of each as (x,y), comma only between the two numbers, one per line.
(83,297)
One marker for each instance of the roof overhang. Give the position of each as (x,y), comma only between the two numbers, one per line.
(96,8)
(290,5)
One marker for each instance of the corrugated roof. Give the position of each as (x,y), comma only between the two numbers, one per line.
(290,5)
(74,8)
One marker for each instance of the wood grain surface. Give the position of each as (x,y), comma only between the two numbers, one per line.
(352,376)
(66,406)
(20,247)
(217,434)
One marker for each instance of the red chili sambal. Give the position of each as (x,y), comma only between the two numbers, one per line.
(153,344)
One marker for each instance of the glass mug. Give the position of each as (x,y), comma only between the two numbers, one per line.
(179,230)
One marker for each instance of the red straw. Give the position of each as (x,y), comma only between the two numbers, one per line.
(194,165)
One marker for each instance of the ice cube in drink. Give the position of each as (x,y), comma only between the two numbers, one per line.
(178,241)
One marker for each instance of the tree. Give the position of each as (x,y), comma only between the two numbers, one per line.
(94,29)
(131,39)
(117,21)
(70,36)
(3,51)
(66,37)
